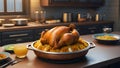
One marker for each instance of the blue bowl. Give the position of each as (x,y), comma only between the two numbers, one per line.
(7,56)
(107,41)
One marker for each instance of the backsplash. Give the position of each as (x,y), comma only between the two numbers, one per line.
(57,12)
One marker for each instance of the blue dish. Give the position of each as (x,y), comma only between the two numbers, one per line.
(6,54)
(6,59)
(107,41)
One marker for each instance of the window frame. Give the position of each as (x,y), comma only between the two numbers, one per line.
(24,12)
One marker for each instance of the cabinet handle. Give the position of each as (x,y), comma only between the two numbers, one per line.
(92,31)
(18,35)
(18,40)
(92,28)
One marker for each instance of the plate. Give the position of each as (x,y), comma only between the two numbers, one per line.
(9,47)
(8,25)
(107,39)
(5,57)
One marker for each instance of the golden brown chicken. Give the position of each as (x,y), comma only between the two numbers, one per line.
(60,36)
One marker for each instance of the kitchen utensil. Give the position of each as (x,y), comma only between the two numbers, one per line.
(61,55)
(12,62)
(19,21)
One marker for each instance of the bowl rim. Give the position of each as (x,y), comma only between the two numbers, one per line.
(85,49)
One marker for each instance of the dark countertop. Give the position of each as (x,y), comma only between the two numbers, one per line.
(33,25)
(99,56)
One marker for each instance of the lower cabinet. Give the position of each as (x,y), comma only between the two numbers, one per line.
(17,36)
(10,37)
(93,28)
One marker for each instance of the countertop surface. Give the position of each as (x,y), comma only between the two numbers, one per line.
(33,25)
(101,55)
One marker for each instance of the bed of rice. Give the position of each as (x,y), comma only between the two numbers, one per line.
(81,44)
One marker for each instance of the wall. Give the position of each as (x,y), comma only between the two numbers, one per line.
(109,12)
(34,5)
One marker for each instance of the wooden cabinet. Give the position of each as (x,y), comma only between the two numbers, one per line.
(72,3)
(17,36)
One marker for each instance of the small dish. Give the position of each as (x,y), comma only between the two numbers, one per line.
(9,48)
(4,56)
(8,25)
(105,40)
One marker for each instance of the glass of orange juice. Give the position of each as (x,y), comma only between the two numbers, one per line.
(20,51)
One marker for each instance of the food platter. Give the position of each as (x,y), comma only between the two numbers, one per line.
(61,55)
(107,38)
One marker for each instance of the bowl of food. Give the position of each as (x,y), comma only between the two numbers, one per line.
(61,43)
(9,48)
(4,56)
(107,38)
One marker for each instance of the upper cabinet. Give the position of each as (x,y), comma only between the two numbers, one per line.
(74,3)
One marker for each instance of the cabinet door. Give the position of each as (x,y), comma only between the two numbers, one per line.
(107,26)
(73,3)
(93,28)
(14,34)
(17,36)
(17,40)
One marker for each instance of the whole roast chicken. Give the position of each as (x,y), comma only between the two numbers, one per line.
(60,36)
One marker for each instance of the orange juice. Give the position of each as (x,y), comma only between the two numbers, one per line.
(20,51)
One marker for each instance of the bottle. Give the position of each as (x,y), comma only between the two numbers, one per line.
(67,17)
(42,16)
(79,17)
(37,16)
(64,17)
(97,17)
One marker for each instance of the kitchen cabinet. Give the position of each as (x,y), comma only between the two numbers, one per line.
(17,36)
(28,33)
(75,3)
(93,28)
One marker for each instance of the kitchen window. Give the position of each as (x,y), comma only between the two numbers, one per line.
(13,7)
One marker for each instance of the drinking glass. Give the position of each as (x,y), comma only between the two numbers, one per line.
(20,51)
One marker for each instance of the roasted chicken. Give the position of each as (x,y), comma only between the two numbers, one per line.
(60,36)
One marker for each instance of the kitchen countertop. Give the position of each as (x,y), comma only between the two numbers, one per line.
(101,55)
(33,25)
